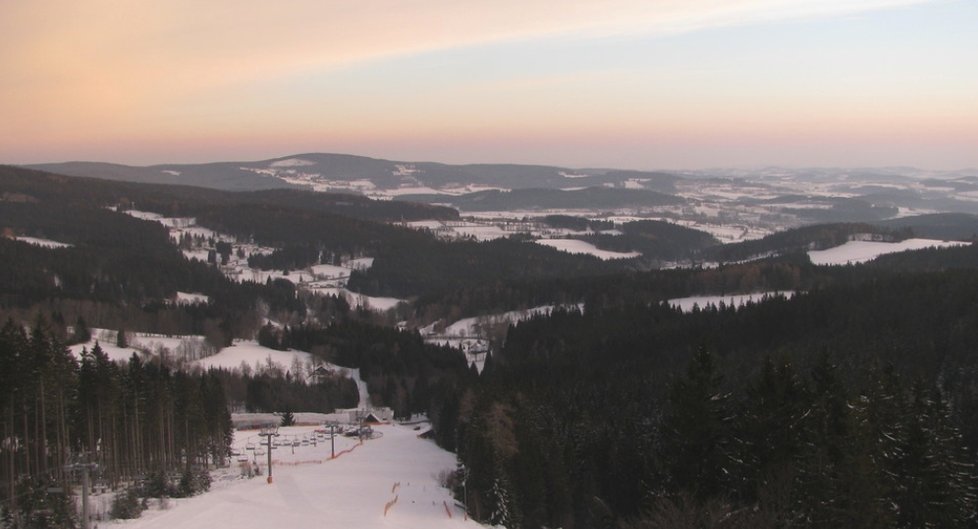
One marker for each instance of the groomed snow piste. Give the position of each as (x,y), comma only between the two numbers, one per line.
(398,473)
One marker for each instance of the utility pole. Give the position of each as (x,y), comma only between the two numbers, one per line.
(332,440)
(85,468)
(268,432)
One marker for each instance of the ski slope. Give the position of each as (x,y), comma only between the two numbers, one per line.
(310,490)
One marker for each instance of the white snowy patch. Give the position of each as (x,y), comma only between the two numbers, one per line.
(355,299)
(171,172)
(583,247)
(191,298)
(635,183)
(44,243)
(361,263)
(325,271)
(862,251)
(187,347)
(292,162)
(252,354)
(474,326)
(734,300)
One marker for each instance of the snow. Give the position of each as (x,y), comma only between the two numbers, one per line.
(472,326)
(355,299)
(139,343)
(249,352)
(734,300)
(291,162)
(862,251)
(584,247)
(362,263)
(192,298)
(325,271)
(44,243)
(471,335)
(482,233)
(311,490)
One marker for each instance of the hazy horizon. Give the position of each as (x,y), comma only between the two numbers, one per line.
(757,167)
(630,84)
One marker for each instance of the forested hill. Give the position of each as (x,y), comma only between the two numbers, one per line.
(523,199)
(853,405)
(183,200)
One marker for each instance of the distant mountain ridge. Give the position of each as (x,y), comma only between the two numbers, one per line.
(338,172)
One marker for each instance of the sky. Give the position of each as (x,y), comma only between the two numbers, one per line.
(644,84)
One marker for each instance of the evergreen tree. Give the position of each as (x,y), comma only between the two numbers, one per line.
(697,429)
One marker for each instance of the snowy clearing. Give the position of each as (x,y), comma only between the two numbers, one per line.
(182,346)
(192,298)
(583,247)
(735,300)
(475,326)
(397,473)
(250,353)
(862,251)
(355,299)
(471,335)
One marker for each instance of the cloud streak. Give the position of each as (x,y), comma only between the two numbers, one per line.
(74,73)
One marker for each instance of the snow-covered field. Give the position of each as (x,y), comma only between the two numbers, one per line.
(734,300)
(584,247)
(397,473)
(191,298)
(355,299)
(194,349)
(141,343)
(862,251)
(250,353)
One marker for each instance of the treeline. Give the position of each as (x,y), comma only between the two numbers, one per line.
(853,405)
(622,289)
(133,420)
(268,392)
(438,267)
(400,369)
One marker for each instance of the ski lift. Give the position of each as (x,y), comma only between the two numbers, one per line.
(250,445)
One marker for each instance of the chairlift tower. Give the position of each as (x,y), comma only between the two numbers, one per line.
(268,432)
(85,468)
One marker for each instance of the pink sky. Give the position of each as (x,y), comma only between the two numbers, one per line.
(627,83)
